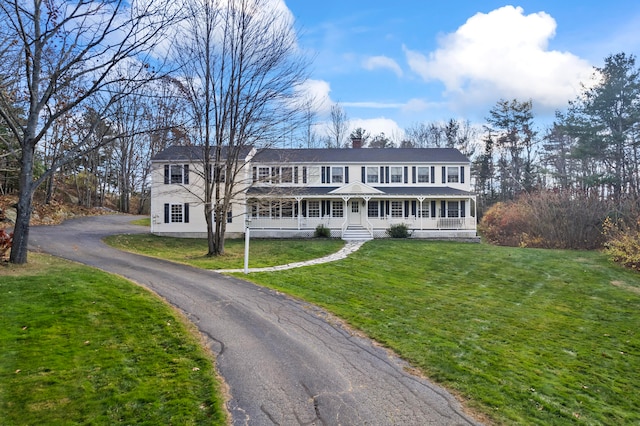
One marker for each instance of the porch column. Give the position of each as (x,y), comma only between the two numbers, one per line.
(421,199)
(299,201)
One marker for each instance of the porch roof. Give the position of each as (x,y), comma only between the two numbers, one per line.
(325,191)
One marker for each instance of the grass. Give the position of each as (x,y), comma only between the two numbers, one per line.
(526,336)
(80,346)
(142,222)
(191,251)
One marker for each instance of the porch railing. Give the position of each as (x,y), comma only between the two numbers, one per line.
(416,223)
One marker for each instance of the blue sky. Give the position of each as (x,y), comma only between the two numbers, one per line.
(391,64)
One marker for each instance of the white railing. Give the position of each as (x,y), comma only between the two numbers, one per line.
(416,223)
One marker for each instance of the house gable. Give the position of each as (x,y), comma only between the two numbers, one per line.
(356,188)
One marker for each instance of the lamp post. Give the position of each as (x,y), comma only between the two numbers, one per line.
(247,222)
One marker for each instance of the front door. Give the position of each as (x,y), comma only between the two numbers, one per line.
(354,213)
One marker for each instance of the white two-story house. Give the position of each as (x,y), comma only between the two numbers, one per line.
(357,193)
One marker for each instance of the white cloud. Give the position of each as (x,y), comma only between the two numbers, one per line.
(316,92)
(382,62)
(375,126)
(503,54)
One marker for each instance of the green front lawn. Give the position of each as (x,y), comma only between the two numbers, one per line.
(79,346)
(192,251)
(526,336)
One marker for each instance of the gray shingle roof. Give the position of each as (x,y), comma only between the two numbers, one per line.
(302,191)
(327,155)
(366,155)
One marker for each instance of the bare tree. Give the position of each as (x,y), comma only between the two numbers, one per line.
(65,44)
(338,126)
(241,66)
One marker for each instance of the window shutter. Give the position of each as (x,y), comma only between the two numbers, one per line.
(186,212)
(296,209)
(304,174)
(166,213)
(323,212)
(414,208)
(387,209)
(346,174)
(461,174)
(444,174)
(166,173)
(386,174)
(255,174)
(381,208)
(304,208)
(406,174)
(295,174)
(433,174)
(413,172)
(406,208)
(230,216)
(443,208)
(363,174)
(462,209)
(328,178)
(185,174)
(324,174)
(381,174)
(433,208)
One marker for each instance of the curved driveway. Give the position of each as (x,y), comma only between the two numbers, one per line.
(285,362)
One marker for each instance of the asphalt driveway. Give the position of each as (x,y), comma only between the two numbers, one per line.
(286,362)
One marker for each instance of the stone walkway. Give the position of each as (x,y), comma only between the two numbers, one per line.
(349,247)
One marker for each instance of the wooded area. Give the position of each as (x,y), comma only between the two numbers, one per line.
(90,91)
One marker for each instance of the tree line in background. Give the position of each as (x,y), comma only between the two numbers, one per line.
(85,103)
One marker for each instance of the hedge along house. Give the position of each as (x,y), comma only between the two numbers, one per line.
(356,193)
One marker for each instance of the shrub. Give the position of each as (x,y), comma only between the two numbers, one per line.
(400,230)
(6,240)
(623,243)
(322,232)
(547,219)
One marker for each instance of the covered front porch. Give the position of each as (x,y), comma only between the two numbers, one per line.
(427,212)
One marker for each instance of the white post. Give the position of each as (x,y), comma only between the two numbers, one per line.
(246,246)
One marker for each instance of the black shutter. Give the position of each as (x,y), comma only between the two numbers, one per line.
(295,174)
(346,174)
(443,209)
(433,208)
(230,216)
(304,208)
(186,212)
(381,203)
(381,174)
(444,174)
(461,174)
(323,174)
(363,174)
(166,213)
(433,174)
(166,173)
(323,210)
(413,172)
(406,208)
(462,209)
(304,174)
(185,174)
(387,209)
(386,174)
(255,174)
(406,174)
(414,208)
(328,179)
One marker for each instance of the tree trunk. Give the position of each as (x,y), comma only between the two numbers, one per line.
(25,201)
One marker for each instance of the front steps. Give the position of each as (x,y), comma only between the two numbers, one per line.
(356,233)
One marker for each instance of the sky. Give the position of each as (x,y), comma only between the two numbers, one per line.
(392,64)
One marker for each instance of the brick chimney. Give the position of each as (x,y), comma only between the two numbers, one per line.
(356,142)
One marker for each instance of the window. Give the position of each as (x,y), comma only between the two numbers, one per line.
(423,174)
(275,175)
(374,209)
(275,209)
(423,211)
(453,174)
(396,208)
(313,208)
(287,209)
(452,209)
(176,213)
(372,175)
(218,172)
(287,175)
(263,174)
(396,174)
(336,174)
(230,216)
(337,208)
(264,209)
(176,173)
